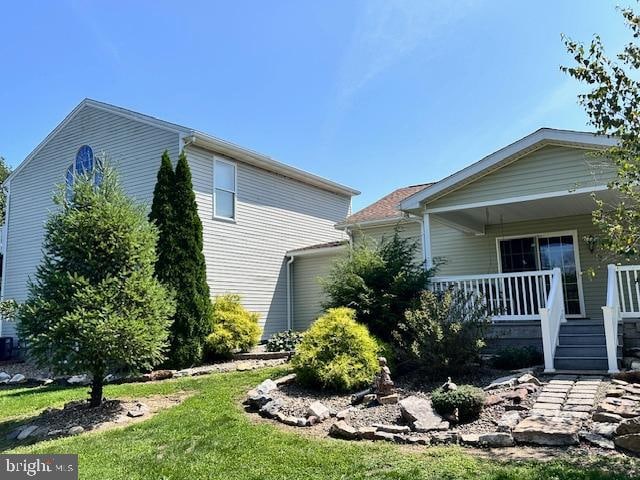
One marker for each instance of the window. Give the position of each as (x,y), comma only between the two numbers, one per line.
(84,164)
(224,189)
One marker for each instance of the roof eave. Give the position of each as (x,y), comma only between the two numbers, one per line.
(376,223)
(537,139)
(256,159)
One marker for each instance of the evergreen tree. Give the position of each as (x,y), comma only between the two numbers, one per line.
(183,269)
(94,305)
(162,216)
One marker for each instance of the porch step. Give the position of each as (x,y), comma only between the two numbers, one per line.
(580,339)
(573,351)
(576,327)
(581,363)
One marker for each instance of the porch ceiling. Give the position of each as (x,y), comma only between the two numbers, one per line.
(472,219)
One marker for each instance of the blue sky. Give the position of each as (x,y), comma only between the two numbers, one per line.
(375,94)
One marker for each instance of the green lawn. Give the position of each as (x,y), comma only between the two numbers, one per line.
(209,436)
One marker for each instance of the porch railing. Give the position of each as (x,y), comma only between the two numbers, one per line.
(550,319)
(534,295)
(507,296)
(622,284)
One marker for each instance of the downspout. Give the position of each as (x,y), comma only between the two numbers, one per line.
(289,294)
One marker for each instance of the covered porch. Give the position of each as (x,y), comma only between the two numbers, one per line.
(533,261)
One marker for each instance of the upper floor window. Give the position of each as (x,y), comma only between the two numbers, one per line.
(224,189)
(84,164)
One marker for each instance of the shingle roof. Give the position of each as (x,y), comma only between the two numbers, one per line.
(387,208)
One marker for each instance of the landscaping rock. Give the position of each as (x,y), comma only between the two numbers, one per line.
(445,437)
(140,410)
(605,417)
(530,387)
(161,374)
(615,392)
(17,378)
(317,409)
(471,439)
(628,426)
(552,431)
(4,377)
(624,408)
(597,440)
(257,400)
(615,381)
(508,421)
(420,415)
(266,386)
(344,414)
(516,396)
(496,439)
(342,429)
(629,442)
(607,430)
(492,400)
(25,432)
(312,420)
(388,399)
(508,381)
(392,428)
(389,437)
(528,378)
(271,408)
(630,377)
(83,379)
(75,430)
(369,398)
(286,380)
(367,433)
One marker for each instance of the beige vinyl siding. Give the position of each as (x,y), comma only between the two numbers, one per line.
(274,214)
(549,169)
(135,149)
(308,295)
(464,254)
(411,230)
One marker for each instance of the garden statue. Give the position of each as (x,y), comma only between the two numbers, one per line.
(384,385)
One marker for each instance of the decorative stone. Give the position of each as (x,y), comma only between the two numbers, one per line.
(344,414)
(312,420)
(286,380)
(25,432)
(420,415)
(162,374)
(256,399)
(629,442)
(75,430)
(445,437)
(606,417)
(606,430)
(626,410)
(544,398)
(271,408)
(17,378)
(529,387)
(546,406)
(528,378)
(508,381)
(4,377)
(389,437)
(342,429)
(552,431)
(491,400)
(615,392)
(138,411)
(628,426)
(472,439)
(508,421)
(516,408)
(388,399)
(553,394)
(517,396)
(266,386)
(318,409)
(496,439)
(615,381)
(83,379)
(579,408)
(370,397)
(630,377)
(597,440)
(367,433)
(392,428)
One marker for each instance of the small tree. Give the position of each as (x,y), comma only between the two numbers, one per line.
(162,216)
(94,305)
(613,107)
(188,277)
(379,282)
(5,170)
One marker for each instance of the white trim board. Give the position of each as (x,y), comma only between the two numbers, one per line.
(508,154)
(523,198)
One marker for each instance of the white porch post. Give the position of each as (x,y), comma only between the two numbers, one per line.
(426,241)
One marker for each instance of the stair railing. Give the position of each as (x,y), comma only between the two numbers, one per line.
(550,319)
(612,315)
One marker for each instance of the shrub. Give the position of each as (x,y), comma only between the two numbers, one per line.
(233,328)
(284,341)
(379,282)
(336,353)
(468,399)
(511,358)
(94,305)
(444,331)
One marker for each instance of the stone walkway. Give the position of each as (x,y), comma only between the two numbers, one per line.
(568,396)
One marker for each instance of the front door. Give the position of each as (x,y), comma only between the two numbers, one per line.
(546,252)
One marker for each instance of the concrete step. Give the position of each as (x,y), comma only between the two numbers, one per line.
(581,363)
(581,350)
(579,328)
(581,339)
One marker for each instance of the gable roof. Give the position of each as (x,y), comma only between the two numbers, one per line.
(534,141)
(203,140)
(386,209)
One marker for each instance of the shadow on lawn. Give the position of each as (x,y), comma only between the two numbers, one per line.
(20,391)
